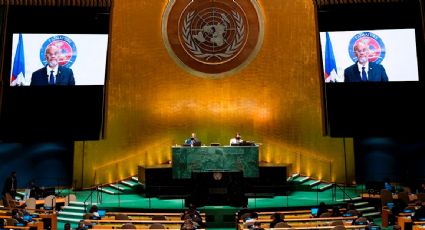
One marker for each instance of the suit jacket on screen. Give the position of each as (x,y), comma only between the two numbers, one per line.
(65,76)
(376,73)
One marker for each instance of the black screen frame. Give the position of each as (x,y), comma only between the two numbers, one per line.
(52,113)
(373,108)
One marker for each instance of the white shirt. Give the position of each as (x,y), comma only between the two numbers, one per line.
(55,72)
(235,141)
(366,68)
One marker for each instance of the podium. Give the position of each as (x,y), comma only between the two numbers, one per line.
(186,160)
(217,188)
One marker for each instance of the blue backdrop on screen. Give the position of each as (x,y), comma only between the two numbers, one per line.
(47,164)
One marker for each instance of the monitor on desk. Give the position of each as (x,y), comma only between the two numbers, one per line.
(194,144)
(360,223)
(314,211)
(243,143)
(407,210)
(390,205)
(102,212)
(27,218)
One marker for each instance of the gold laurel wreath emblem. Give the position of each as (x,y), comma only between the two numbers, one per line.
(197,52)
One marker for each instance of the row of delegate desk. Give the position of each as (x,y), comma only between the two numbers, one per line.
(298,219)
(49,216)
(37,223)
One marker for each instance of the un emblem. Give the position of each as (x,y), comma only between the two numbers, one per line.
(212,38)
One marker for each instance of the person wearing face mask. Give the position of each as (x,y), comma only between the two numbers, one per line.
(236,140)
(53,73)
(363,70)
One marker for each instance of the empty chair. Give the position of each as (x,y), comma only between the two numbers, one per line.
(245,216)
(69,198)
(326,214)
(339,227)
(8,201)
(128,226)
(157,226)
(361,221)
(282,225)
(50,202)
(421,197)
(121,216)
(353,212)
(11,222)
(404,196)
(101,226)
(30,204)
(397,227)
(337,222)
(158,217)
(386,197)
(88,216)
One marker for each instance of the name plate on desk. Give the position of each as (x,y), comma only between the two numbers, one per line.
(214,158)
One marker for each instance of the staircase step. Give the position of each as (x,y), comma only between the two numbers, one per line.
(365,209)
(110,190)
(361,203)
(130,183)
(121,187)
(70,220)
(292,177)
(135,178)
(295,175)
(311,182)
(20,194)
(324,186)
(371,214)
(74,208)
(350,200)
(79,203)
(72,214)
(301,179)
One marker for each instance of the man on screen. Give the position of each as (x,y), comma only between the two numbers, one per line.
(53,73)
(363,70)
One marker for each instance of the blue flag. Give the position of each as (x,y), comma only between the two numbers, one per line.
(330,64)
(18,71)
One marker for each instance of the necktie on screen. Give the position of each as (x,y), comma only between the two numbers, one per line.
(52,78)
(364,76)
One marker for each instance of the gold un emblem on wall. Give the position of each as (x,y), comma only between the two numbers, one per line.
(212,38)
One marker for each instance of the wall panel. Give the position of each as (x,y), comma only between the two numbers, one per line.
(152,103)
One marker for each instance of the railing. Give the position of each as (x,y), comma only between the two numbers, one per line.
(90,196)
(345,195)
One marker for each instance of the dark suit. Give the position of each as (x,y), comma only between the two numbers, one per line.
(65,76)
(9,186)
(376,73)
